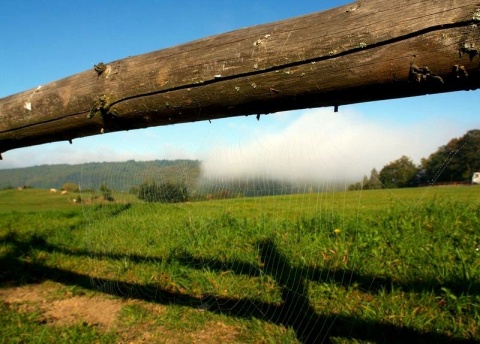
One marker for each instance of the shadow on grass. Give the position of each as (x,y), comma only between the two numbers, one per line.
(295,310)
(342,277)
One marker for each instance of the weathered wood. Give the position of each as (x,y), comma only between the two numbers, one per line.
(369,50)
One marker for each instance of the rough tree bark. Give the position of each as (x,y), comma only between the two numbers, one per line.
(369,50)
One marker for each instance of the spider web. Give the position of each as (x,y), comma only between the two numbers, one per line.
(261,231)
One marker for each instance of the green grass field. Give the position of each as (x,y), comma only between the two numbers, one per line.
(379,266)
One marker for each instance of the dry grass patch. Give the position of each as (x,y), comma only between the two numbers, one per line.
(58,306)
(133,321)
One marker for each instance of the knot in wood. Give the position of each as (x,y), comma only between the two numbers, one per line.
(101,108)
(100,68)
(459,72)
(423,75)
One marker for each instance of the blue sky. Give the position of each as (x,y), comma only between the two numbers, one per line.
(43,41)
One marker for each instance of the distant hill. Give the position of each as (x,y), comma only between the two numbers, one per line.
(116,175)
(123,176)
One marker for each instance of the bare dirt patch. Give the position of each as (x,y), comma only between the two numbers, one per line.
(90,310)
(60,307)
(216,333)
(57,305)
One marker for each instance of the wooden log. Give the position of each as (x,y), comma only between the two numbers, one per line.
(369,50)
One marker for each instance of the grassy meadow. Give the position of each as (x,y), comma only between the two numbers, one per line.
(378,266)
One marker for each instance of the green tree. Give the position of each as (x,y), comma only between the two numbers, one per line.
(106,193)
(71,187)
(368,183)
(365,184)
(356,186)
(163,193)
(374,181)
(455,161)
(400,173)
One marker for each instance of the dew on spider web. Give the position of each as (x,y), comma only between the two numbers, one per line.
(265,229)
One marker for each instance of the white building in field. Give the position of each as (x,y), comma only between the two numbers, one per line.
(476,178)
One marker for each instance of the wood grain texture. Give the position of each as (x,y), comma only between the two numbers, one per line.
(369,50)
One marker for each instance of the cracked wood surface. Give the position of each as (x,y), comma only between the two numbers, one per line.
(369,50)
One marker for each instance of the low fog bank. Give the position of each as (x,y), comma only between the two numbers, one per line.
(321,149)
(254,186)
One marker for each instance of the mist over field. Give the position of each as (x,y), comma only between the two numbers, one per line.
(323,146)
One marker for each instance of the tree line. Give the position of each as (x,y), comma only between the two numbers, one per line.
(454,162)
